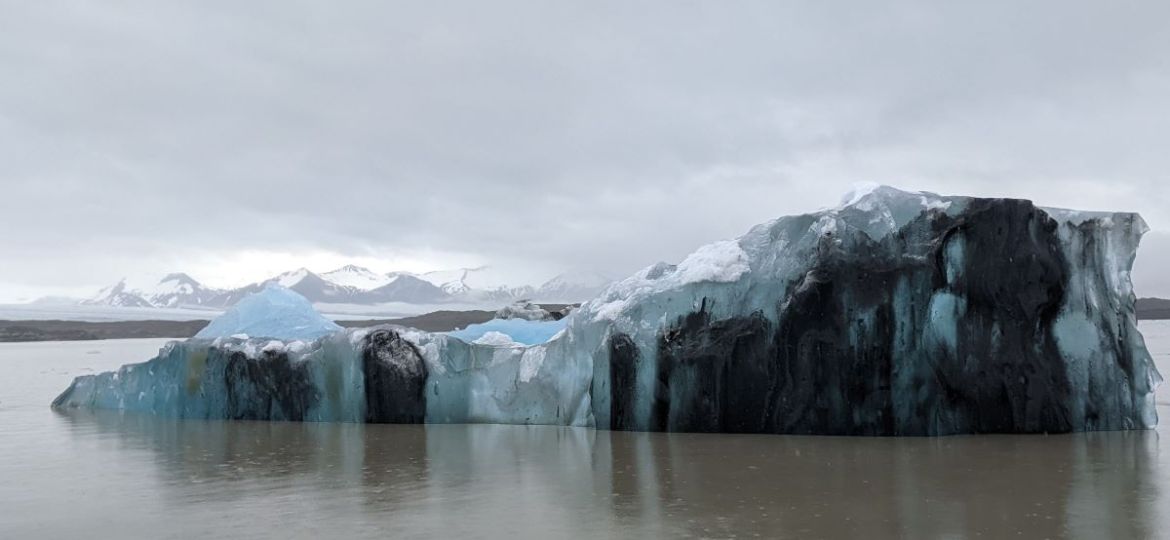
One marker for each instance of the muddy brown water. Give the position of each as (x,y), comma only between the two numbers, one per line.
(109,475)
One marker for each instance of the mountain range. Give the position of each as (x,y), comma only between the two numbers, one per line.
(353,284)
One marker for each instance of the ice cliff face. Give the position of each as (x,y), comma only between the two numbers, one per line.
(894,313)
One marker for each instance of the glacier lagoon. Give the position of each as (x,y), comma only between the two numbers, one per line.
(71,473)
(895,313)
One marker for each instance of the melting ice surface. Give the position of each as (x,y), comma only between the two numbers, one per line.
(896,313)
(275,312)
(521,331)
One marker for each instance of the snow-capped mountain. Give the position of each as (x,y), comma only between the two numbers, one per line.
(451,281)
(356,285)
(357,277)
(408,289)
(341,286)
(572,287)
(117,295)
(315,287)
(178,289)
(480,284)
(173,290)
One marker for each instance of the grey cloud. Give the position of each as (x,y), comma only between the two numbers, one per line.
(544,134)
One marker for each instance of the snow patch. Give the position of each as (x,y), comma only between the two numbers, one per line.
(518,330)
(495,339)
(858,192)
(721,262)
(289,279)
(530,363)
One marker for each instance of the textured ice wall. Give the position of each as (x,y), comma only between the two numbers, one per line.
(235,379)
(893,314)
(380,375)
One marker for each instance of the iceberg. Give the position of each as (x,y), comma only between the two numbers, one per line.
(274,312)
(383,375)
(522,331)
(894,313)
(524,309)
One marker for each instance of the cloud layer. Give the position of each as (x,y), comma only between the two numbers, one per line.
(231,139)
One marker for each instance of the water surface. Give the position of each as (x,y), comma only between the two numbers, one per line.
(105,475)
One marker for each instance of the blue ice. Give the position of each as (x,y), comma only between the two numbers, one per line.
(520,330)
(274,312)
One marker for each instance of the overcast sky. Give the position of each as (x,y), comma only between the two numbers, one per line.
(234,140)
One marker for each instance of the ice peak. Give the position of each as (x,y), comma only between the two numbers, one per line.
(859,191)
(866,196)
(880,210)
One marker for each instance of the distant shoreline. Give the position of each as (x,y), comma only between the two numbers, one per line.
(17,331)
(14,331)
(31,331)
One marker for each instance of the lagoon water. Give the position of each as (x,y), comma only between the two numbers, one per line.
(110,475)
